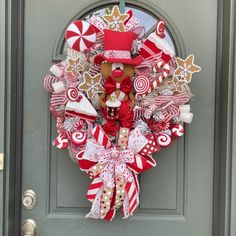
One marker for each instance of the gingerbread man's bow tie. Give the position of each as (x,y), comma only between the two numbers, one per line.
(111,85)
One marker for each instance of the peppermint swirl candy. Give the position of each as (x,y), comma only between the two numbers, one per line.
(78,137)
(160,29)
(61,142)
(141,84)
(164,140)
(177,130)
(73,94)
(79,125)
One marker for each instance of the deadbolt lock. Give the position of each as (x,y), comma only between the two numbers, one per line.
(28,228)
(29,199)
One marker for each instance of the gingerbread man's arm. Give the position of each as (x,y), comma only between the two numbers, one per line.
(101,100)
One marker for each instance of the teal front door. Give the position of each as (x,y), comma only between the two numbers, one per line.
(177,195)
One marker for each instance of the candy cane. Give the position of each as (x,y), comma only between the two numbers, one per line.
(101,137)
(165,72)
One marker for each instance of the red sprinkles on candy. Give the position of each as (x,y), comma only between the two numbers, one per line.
(80,35)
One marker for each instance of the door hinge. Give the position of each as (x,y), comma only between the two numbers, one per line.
(1,161)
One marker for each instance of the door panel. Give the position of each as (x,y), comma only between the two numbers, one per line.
(176,196)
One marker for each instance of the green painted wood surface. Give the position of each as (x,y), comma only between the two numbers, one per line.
(176,196)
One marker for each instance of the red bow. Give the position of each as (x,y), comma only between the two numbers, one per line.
(111,85)
(114,172)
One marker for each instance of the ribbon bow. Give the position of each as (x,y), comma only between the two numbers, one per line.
(116,165)
(111,85)
(114,173)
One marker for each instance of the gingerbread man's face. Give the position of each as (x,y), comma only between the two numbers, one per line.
(118,71)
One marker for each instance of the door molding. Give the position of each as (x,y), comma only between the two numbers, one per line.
(14,61)
(224,209)
(226,130)
(2,86)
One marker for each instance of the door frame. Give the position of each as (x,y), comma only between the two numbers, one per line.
(224,181)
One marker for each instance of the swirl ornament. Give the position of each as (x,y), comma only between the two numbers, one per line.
(78,137)
(164,140)
(177,130)
(73,94)
(61,142)
(80,35)
(141,84)
(160,29)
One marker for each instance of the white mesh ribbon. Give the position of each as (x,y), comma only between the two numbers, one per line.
(117,161)
(137,140)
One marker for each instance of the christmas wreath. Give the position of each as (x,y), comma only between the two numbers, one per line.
(118,98)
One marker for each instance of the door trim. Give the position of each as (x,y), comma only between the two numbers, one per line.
(226,191)
(14,59)
(224,210)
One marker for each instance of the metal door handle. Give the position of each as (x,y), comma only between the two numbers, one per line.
(29,199)
(28,228)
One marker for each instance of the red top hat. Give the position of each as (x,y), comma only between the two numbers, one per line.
(117,47)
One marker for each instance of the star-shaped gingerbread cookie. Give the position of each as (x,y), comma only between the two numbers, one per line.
(116,20)
(74,66)
(186,68)
(176,85)
(91,85)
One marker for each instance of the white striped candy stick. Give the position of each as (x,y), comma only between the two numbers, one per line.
(101,137)
(93,188)
(165,72)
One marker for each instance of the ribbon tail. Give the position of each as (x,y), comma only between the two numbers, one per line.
(125,210)
(94,187)
(95,209)
(141,163)
(110,215)
(133,198)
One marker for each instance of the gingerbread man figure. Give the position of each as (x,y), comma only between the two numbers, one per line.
(117,68)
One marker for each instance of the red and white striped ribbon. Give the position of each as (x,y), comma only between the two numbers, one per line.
(94,188)
(48,80)
(101,137)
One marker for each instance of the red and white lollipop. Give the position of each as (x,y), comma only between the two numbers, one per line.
(73,94)
(160,29)
(164,140)
(78,137)
(177,130)
(61,142)
(141,84)
(80,35)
